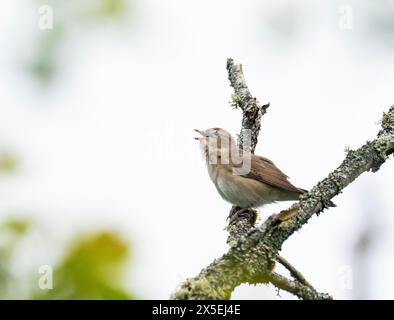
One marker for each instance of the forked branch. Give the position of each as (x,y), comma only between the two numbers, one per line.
(254,250)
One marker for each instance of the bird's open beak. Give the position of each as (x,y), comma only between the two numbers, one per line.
(200,132)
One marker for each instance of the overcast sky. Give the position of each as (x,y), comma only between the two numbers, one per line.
(110,143)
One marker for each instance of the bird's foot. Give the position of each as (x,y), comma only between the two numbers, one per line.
(233,212)
(237,212)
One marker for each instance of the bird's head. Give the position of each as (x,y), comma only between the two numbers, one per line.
(213,133)
(216,142)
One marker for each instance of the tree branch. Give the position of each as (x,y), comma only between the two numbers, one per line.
(297,275)
(252,111)
(297,288)
(251,258)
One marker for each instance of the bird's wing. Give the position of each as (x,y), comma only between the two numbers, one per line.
(264,170)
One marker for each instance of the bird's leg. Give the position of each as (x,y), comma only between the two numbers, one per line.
(233,211)
(238,212)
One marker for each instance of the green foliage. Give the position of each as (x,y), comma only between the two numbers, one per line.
(7,162)
(15,226)
(114,9)
(44,64)
(11,232)
(70,15)
(91,269)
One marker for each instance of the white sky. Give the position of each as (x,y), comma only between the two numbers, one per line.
(110,145)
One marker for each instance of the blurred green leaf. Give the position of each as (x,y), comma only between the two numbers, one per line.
(114,9)
(44,64)
(11,232)
(7,162)
(68,16)
(93,268)
(16,225)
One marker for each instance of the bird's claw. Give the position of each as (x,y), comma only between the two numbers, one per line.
(238,212)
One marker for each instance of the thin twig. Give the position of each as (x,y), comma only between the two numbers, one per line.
(297,288)
(293,271)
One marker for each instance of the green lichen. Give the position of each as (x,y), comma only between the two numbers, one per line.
(236,100)
(348,150)
(201,288)
(286,224)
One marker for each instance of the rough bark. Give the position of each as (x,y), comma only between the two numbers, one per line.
(252,112)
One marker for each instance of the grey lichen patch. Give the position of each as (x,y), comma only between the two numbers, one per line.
(388,120)
(308,204)
(309,294)
(326,189)
(381,146)
(236,231)
(240,226)
(256,267)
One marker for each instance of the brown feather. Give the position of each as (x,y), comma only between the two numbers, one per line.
(264,170)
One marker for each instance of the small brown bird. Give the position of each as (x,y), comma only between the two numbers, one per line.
(241,178)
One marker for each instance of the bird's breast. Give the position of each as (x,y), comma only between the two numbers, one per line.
(241,191)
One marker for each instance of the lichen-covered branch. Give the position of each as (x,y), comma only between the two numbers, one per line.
(239,226)
(251,259)
(297,288)
(252,111)
(369,157)
(297,275)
